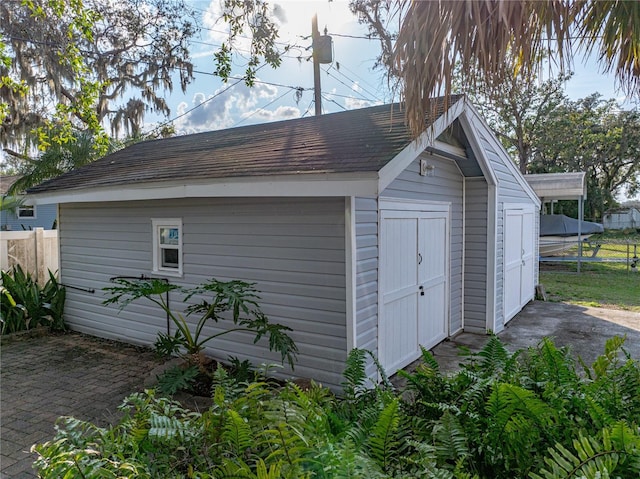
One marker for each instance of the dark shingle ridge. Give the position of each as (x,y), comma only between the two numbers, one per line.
(346,142)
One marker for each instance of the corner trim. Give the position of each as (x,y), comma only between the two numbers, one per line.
(350,250)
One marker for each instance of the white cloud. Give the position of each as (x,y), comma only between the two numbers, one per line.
(280,113)
(279,13)
(355,103)
(223,109)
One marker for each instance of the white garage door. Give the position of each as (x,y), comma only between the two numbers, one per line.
(519,258)
(414,282)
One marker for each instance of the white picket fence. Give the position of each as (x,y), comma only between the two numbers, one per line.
(35,251)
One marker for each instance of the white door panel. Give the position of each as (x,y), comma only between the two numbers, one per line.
(414,278)
(433,273)
(519,257)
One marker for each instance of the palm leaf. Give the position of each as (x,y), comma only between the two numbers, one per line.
(484,36)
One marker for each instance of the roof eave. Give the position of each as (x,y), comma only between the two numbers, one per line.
(298,185)
(428,138)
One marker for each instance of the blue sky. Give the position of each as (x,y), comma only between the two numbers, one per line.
(349,82)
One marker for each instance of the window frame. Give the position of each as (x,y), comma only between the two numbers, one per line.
(157,224)
(20,208)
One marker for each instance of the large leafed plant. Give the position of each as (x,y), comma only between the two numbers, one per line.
(235,301)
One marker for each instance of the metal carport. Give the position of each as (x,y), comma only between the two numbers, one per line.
(552,187)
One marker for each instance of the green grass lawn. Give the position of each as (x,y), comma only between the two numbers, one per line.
(607,285)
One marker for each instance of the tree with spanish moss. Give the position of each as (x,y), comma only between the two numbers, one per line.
(67,66)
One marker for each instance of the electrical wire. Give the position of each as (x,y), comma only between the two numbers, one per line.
(308,110)
(333,101)
(342,65)
(348,86)
(262,108)
(200,104)
(374,95)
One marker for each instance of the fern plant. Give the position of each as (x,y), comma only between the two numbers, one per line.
(497,418)
(384,442)
(615,454)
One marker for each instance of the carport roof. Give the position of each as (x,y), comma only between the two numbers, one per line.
(558,186)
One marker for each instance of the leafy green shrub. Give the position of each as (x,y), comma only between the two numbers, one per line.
(25,305)
(528,414)
(235,298)
(176,379)
(504,413)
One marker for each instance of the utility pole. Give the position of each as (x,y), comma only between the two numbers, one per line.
(322,53)
(315,35)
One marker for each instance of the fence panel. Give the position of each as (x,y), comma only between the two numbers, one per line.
(35,251)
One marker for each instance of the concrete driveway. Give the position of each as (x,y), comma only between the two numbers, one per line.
(584,329)
(46,377)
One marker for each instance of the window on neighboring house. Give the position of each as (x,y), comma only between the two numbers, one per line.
(167,246)
(27,212)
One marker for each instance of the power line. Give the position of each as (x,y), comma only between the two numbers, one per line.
(291,87)
(342,65)
(333,101)
(359,37)
(347,96)
(239,50)
(200,104)
(308,109)
(374,95)
(262,108)
(348,86)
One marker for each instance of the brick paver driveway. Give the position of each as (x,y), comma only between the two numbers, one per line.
(61,375)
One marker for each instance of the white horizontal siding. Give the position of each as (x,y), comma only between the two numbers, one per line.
(292,248)
(367,277)
(509,190)
(475,280)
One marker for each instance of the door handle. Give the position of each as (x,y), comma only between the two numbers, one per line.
(419,258)
(421,289)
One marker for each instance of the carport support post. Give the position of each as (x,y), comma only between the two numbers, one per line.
(580,218)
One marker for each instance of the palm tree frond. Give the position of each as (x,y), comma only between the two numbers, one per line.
(613,27)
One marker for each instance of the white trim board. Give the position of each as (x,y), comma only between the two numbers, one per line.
(322,185)
(350,271)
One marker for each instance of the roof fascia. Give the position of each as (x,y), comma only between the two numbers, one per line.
(477,122)
(402,160)
(324,185)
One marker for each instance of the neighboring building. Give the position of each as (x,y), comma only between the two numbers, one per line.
(622,218)
(356,235)
(26,216)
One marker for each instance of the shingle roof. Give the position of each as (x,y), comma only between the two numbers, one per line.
(351,141)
